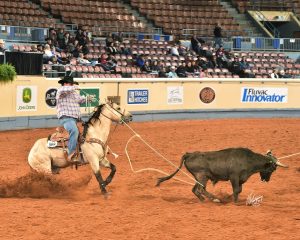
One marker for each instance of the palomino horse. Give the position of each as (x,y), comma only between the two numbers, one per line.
(94,149)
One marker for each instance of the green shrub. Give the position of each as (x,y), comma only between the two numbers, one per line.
(7,73)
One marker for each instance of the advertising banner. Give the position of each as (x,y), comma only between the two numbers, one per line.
(94,92)
(50,97)
(175,95)
(26,98)
(264,95)
(138,96)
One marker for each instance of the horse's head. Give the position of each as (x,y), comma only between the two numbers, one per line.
(114,112)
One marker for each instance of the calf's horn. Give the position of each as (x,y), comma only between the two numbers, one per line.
(281,164)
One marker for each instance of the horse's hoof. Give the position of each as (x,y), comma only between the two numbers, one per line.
(215,200)
(106,195)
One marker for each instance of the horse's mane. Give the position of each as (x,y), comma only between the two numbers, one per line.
(95,117)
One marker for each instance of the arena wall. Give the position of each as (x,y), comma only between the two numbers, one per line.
(29,101)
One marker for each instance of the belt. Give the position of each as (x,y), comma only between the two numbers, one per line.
(64,116)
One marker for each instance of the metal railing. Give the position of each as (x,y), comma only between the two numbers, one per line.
(23,33)
(255,43)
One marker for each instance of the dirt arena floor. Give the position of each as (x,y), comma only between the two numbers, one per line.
(69,205)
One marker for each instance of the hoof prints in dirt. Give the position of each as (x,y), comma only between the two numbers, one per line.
(35,185)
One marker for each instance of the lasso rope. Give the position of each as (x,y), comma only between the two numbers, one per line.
(291,155)
(159,154)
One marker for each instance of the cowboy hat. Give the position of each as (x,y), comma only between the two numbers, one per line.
(2,41)
(67,79)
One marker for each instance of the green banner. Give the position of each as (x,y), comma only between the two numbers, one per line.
(94,92)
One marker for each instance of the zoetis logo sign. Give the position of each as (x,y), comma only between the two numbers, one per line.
(264,95)
(26,98)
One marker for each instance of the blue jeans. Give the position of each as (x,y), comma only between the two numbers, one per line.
(70,125)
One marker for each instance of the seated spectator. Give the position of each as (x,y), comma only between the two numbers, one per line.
(82,60)
(146,67)
(236,66)
(155,67)
(222,59)
(282,74)
(195,66)
(109,40)
(48,54)
(274,74)
(112,49)
(140,61)
(125,50)
(34,48)
(182,50)
(40,48)
(2,47)
(162,73)
(174,51)
(181,70)
(172,73)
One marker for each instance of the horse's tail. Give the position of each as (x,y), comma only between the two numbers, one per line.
(162,179)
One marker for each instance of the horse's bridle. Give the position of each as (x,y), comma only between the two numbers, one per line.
(122,114)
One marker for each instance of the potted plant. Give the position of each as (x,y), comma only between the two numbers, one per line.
(7,73)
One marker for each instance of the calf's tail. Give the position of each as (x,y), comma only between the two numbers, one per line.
(162,179)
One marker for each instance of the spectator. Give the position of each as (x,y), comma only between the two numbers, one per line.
(34,48)
(109,40)
(236,66)
(274,74)
(61,39)
(140,61)
(218,35)
(112,49)
(155,67)
(2,46)
(48,54)
(40,48)
(181,70)
(53,37)
(282,74)
(174,50)
(222,60)
(162,73)
(189,67)
(196,44)
(82,60)
(146,67)
(172,73)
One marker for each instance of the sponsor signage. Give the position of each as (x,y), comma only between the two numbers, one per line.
(207,95)
(26,98)
(138,96)
(175,95)
(264,95)
(50,97)
(94,92)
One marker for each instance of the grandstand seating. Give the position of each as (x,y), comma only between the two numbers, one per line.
(261,63)
(24,13)
(174,15)
(268,5)
(108,15)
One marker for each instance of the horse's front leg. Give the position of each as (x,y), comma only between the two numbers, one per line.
(112,173)
(102,183)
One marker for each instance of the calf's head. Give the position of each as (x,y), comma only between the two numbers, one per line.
(270,167)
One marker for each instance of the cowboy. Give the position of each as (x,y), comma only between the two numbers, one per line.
(68,112)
